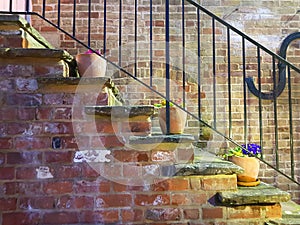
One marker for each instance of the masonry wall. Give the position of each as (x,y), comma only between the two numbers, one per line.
(59,165)
(268,22)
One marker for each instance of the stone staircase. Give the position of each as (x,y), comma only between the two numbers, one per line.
(96,161)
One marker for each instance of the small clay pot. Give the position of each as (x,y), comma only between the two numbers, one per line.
(91,65)
(250,166)
(177,120)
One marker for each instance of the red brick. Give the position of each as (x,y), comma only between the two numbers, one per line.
(102,99)
(8,114)
(61,217)
(168,214)
(48,70)
(92,186)
(3,128)
(163,156)
(212,213)
(68,100)
(244,212)
(152,200)
(217,183)
(273,211)
(132,170)
(2,158)
(26,188)
(104,186)
(24,157)
(29,143)
(192,214)
(58,128)
(28,129)
(59,157)
(24,99)
(101,216)
(107,141)
(86,187)
(8,204)
(92,98)
(72,142)
(26,114)
(89,172)
(107,127)
(48,29)
(62,113)
(13,70)
(75,202)
(59,187)
(198,198)
(84,202)
(67,171)
(171,184)
(14,42)
(120,186)
(180,199)
(26,173)
(185,155)
(111,171)
(8,188)
(29,203)
(65,45)
(6,85)
(130,156)
(26,84)
(7,173)
(5,143)
(20,218)
(114,200)
(132,215)
(44,113)
(136,127)
(53,99)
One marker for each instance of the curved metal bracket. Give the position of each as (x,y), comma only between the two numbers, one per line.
(282,72)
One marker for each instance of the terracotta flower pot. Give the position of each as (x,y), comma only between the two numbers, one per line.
(91,65)
(250,166)
(177,120)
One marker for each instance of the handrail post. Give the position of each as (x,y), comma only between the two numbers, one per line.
(167,34)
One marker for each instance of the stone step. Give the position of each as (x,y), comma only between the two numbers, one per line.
(204,163)
(120,112)
(290,214)
(290,209)
(286,221)
(261,194)
(21,44)
(17,32)
(36,62)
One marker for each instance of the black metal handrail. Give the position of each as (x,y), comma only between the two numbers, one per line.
(229,32)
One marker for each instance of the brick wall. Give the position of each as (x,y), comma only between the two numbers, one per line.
(268,22)
(46,177)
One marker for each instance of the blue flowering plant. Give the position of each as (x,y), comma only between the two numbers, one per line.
(247,150)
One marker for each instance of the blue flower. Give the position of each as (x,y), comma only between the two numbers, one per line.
(253,149)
